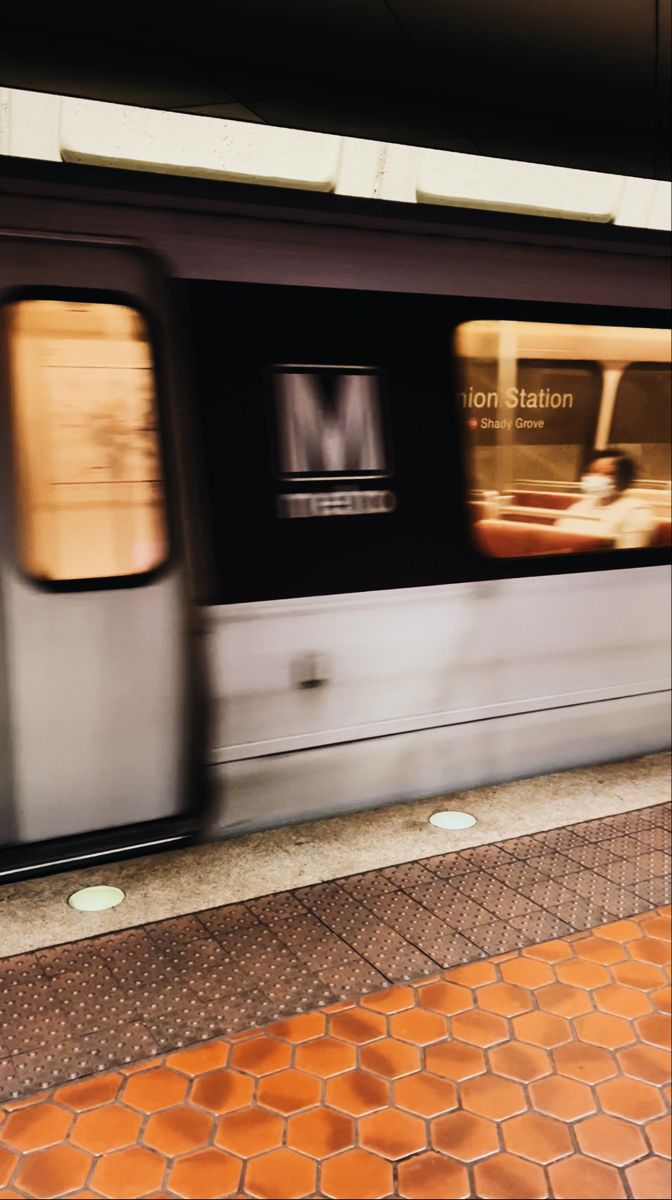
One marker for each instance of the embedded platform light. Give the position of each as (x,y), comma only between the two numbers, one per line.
(452,820)
(96,899)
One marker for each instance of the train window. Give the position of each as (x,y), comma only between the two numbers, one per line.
(567,431)
(88,467)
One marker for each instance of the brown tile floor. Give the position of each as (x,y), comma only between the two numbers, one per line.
(103,1002)
(536,1073)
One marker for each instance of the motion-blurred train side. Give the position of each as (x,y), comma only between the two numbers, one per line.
(282,477)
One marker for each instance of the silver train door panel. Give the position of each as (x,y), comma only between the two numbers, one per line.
(92,623)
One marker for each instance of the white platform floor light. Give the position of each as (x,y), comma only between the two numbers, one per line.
(96,899)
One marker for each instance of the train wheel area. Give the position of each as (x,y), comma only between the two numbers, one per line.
(495,1015)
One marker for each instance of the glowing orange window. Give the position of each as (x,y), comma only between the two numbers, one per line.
(90,490)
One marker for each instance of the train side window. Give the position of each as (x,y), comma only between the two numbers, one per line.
(567,432)
(90,490)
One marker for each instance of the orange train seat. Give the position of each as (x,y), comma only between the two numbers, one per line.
(662,534)
(541,499)
(517,539)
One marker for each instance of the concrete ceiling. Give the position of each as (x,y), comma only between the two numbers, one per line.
(578,83)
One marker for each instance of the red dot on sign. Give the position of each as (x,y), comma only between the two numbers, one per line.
(473,423)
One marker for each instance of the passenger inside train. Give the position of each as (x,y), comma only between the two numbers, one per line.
(608,508)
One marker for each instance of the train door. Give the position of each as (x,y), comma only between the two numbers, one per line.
(93,651)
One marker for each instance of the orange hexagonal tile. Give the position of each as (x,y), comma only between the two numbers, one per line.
(54,1172)
(650,1179)
(261,1055)
(155,1089)
(542,1029)
(418,1026)
(89,1093)
(517,1060)
(107,1128)
(600,950)
(658,927)
(506,999)
(465,1136)
(429,1175)
(564,1000)
(612,1140)
(472,975)
(505,1176)
(601,1029)
(35,1127)
(177,1130)
(579,1178)
(358,1025)
(527,973)
(549,952)
(289,1091)
(578,973)
(655,1030)
(325,1056)
(425,1094)
(223,1090)
(390,1000)
(562,1098)
(205,1174)
(196,1060)
(320,1132)
(619,931)
(648,1063)
(454,1060)
(662,1000)
(8,1161)
(591,1064)
(128,1173)
(650,950)
(390,1058)
(356,1173)
(300,1028)
(630,1099)
(638,975)
(143,1065)
(541,1139)
(446,998)
(659,1134)
(480,1028)
(622,1001)
(249,1131)
(393,1135)
(357,1093)
(491,1096)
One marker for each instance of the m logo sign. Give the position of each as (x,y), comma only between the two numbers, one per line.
(329,422)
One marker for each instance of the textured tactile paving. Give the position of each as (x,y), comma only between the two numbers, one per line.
(75,1009)
(539,1073)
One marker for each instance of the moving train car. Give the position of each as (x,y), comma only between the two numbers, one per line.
(283,477)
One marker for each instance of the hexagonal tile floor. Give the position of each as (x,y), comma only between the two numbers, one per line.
(541,1072)
(99,1003)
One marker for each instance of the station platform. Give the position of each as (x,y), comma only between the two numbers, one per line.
(485,1020)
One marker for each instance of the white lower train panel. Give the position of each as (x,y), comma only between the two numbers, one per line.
(277,789)
(432,690)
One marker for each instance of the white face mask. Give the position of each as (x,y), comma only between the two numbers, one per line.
(597,485)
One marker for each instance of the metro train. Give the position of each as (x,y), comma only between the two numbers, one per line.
(281,475)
